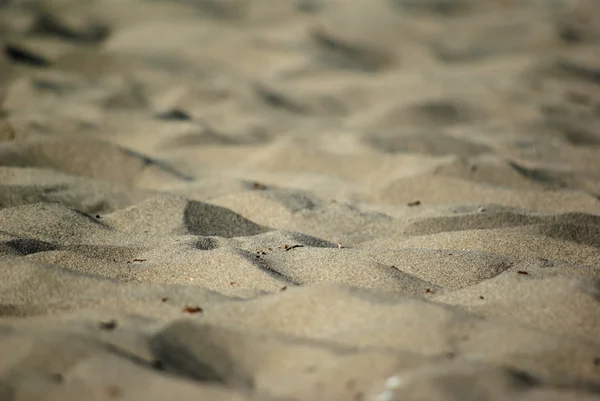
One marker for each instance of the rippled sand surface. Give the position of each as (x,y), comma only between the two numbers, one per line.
(357,200)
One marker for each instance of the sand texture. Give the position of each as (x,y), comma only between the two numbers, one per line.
(300,200)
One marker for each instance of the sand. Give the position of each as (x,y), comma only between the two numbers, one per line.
(353,200)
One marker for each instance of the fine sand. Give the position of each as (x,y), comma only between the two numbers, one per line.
(311,200)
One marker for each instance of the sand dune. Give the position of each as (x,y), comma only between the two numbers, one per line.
(368,200)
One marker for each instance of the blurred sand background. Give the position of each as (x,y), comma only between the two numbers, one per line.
(364,200)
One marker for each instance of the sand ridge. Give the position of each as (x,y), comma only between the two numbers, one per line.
(367,200)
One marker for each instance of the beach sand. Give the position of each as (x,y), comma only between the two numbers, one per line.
(362,200)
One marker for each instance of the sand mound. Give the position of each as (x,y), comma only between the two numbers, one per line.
(367,200)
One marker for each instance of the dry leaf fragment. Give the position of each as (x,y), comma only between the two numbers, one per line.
(259,186)
(192,309)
